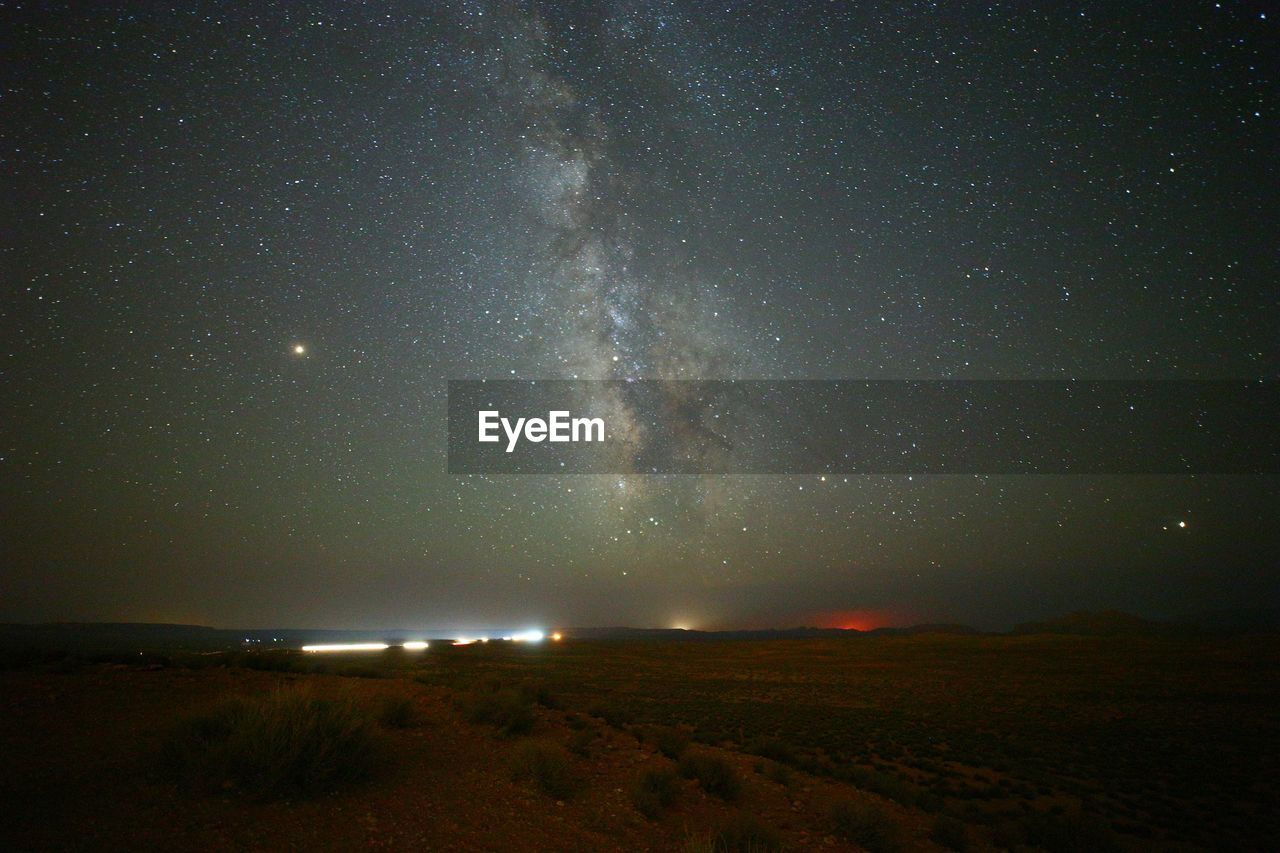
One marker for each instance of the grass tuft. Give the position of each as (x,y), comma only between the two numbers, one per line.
(1070,833)
(655,790)
(399,712)
(581,742)
(716,775)
(773,748)
(505,708)
(742,833)
(671,741)
(865,824)
(949,832)
(613,713)
(548,766)
(775,772)
(286,743)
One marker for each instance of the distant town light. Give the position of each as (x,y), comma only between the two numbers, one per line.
(415,645)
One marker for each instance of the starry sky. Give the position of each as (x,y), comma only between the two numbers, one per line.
(245,246)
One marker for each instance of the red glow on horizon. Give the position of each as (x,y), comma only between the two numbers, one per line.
(856,620)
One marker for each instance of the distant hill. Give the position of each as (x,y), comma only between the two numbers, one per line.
(112,636)
(927,628)
(1107,623)
(133,637)
(623,633)
(116,637)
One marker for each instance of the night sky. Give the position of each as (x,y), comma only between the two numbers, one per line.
(246,246)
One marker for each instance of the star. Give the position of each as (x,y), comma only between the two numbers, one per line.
(555,193)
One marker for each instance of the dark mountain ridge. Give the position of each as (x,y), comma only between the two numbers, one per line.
(165,637)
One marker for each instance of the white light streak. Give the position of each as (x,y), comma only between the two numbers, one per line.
(347,647)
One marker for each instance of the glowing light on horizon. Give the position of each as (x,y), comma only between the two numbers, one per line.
(347,647)
(557,636)
(415,645)
(534,636)
(858,620)
(463,641)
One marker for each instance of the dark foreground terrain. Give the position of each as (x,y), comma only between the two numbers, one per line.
(882,743)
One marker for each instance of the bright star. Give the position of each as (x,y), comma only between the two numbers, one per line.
(299,349)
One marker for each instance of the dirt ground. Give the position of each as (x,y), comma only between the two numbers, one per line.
(80,772)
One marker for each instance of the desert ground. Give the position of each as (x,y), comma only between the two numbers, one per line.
(882,743)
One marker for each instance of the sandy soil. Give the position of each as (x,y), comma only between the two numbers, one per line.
(79,773)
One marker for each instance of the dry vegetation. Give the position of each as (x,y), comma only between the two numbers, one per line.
(962,743)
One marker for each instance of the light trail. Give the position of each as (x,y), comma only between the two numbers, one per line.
(347,647)
(532,635)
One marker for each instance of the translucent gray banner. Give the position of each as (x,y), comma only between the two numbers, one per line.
(863,427)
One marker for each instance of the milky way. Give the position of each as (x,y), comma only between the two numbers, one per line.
(414,193)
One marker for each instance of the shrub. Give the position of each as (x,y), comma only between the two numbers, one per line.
(930,802)
(779,773)
(1070,833)
(742,833)
(712,737)
(700,844)
(950,833)
(541,694)
(613,715)
(671,741)
(581,741)
(398,712)
(289,742)
(886,783)
(506,709)
(772,748)
(1008,835)
(866,825)
(548,767)
(895,788)
(655,790)
(716,776)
